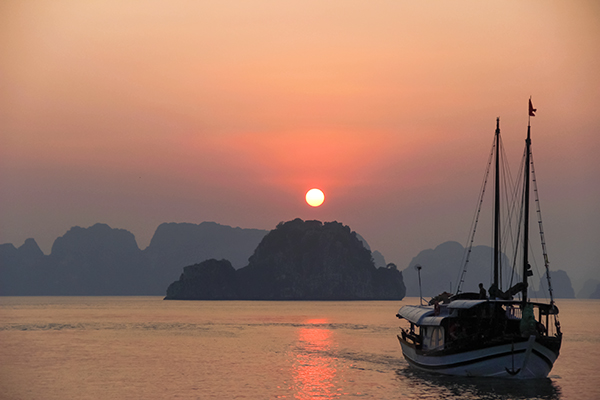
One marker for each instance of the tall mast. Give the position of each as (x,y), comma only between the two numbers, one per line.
(497,249)
(526,271)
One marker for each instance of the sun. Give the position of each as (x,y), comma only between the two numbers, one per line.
(315,197)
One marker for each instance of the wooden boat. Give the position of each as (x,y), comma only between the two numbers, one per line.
(469,334)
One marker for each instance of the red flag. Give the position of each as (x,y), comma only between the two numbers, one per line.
(531,109)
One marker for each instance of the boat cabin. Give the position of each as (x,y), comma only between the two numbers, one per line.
(468,322)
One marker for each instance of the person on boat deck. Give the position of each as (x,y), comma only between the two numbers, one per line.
(482,292)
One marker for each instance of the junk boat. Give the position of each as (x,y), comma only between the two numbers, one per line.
(469,334)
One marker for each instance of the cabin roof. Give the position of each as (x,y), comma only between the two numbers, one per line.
(465,304)
(421,315)
(415,313)
(424,315)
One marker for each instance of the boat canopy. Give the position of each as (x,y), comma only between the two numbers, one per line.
(465,304)
(421,315)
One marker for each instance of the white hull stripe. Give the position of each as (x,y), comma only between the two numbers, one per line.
(476,360)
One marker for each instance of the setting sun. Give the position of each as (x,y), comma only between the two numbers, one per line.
(315,197)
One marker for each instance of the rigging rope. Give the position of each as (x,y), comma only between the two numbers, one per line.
(475,220)
(519,218)
(543,240)
(511,195)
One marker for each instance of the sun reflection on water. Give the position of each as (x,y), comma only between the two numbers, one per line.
(314,368)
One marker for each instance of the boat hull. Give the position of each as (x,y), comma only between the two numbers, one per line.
(523,360)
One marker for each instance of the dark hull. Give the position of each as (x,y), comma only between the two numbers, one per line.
(526,359)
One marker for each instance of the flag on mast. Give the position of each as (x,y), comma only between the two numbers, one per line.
(531,109)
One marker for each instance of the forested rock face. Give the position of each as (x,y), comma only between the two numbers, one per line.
(209,280)
(301,260)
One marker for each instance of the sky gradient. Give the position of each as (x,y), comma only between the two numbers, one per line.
(136,113)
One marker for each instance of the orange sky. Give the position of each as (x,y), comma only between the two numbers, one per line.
(137,113)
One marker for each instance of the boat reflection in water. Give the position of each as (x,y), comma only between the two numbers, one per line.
(421,384)
(314,367)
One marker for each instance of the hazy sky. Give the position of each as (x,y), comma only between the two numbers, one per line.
(135,113)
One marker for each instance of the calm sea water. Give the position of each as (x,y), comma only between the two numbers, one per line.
(147,348)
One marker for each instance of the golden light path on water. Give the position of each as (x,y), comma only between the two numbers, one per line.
(315,372)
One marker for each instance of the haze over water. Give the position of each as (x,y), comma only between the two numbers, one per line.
(144,347)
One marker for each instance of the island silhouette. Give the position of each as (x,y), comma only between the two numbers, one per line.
(298,260)
(100,260)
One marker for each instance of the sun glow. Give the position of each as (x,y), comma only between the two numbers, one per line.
(315,197)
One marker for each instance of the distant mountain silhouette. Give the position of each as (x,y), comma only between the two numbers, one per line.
(97,260)
(100,260)
(298,260)
(561,286)
(175,245)
(442,266)
(596,293)
(588,288)
(23,270)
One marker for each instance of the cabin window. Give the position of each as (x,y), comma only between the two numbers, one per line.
(433,337)
(512,312)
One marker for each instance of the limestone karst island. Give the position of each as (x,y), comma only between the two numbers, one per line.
(298,260)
